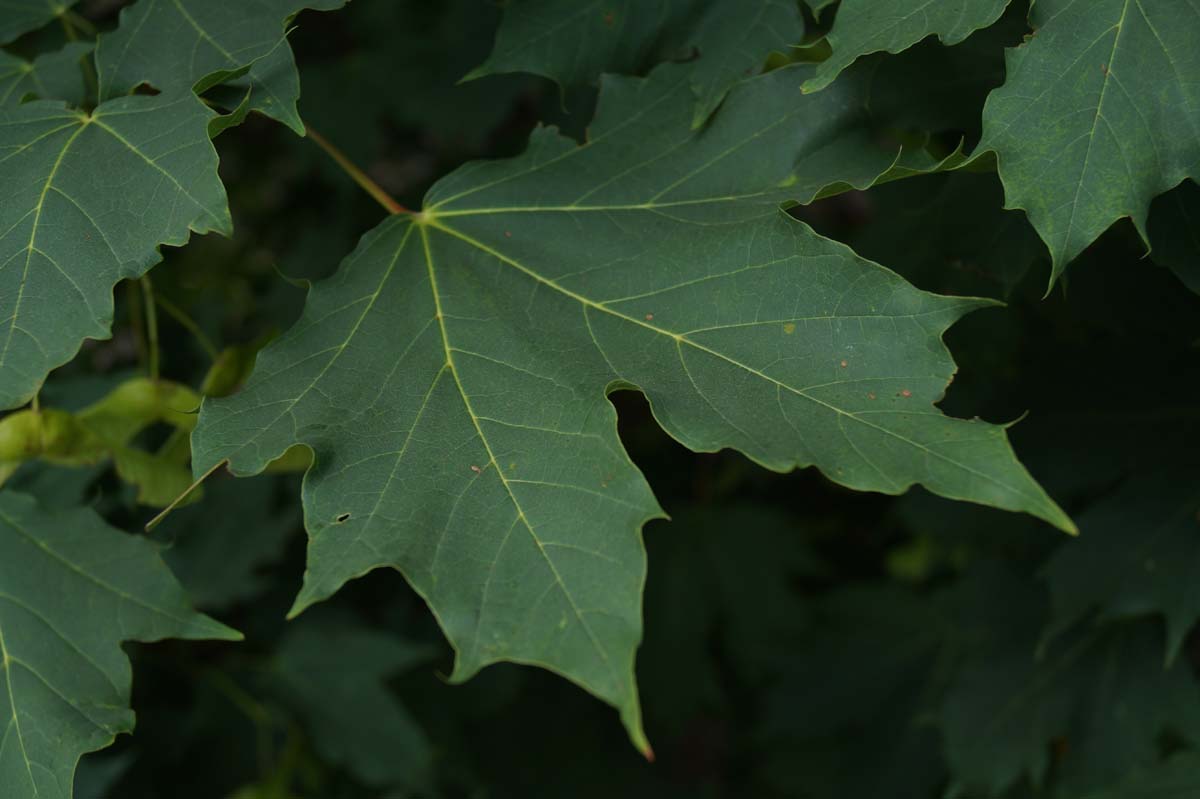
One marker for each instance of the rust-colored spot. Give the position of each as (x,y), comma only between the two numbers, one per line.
(905,393)
(1104,69)
(870,395)
(1060,747)
(789,328)
(649,317)
(609,18)
(845,363)
(476,469)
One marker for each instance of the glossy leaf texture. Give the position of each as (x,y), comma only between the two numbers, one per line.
(93,197)
(23,16)
(184,44)
(871,26)
(1100,114)
(65,679)
(53,76)
(573,43)
(451,377)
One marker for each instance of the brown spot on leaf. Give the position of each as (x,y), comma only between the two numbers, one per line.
(342,518)
(789,328)
(1104,69)
(649,317)
(609,18)
(870,395)
(476,469)
(508,234)
(905,393)
(845,363)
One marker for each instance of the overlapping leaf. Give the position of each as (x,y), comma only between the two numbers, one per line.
(1100,113)
(185,44)
(54,76)
(334,672)
(71,590)
(1141,547)
(1175,233)
(869,26)
(90,199)
(573,43)
(451,377)
(23,16)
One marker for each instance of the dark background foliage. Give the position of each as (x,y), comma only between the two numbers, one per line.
(801,640)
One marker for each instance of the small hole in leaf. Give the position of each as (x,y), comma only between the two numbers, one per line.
(342,517)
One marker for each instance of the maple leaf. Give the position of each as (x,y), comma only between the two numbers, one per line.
(1100,114)
(67,237)
(64,681)
(451,378)
(196,44)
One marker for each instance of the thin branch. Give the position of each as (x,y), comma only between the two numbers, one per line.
(357,175)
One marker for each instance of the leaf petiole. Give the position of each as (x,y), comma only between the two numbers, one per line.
(357,175)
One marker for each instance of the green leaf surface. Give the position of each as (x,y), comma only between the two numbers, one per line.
(573,43)
(53,76)
(476,451)
(335,671)
(23,16)
(871,26)
(91,199)
(1100,114)
(1137,550)
(185,44)
(65,679)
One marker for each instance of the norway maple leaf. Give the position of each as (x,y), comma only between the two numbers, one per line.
(91,198)
(451,377)
(186,44)
(1100,113)
(71,590)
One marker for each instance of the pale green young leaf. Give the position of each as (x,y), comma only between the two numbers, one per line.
(451,378)
(186,44)
(871,26)
(71,590)
(91,198)
(573,43)
(53,76)
(22,16)
(1100,114)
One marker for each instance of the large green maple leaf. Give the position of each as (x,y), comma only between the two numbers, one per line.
(178,45)
(573,42)
(90,199)
(870,26)
(71,590)
(1100,113)
(451,378)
